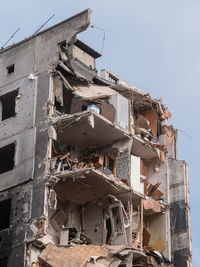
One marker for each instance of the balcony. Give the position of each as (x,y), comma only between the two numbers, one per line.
(88,129)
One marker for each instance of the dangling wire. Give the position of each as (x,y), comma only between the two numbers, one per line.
(104,35)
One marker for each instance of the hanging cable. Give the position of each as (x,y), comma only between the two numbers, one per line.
(104,35)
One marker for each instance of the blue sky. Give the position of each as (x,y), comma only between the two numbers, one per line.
(154,45)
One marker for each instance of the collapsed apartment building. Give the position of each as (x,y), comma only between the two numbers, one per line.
(89,174)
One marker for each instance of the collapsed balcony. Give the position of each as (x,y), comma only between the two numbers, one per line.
(123,105)
(152,128)
(144,149)
(80,186)
(149,226)
(88,129)
(146,143)
(78,215)
(91,203)
(100,256)
(106,229)
(148,118)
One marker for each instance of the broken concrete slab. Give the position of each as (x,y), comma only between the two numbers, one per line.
(151,206)
(80,185)
(74,256)
(144,149)
(102,131)
(93,91)
(86,255)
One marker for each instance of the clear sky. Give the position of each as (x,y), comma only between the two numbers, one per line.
(154,45)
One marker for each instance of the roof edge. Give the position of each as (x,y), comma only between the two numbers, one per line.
(2,50)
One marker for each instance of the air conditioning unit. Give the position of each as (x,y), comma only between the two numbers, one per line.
(121,105)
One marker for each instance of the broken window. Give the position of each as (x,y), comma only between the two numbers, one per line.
(110,163)
(7,154)
(7,104)
(5,206)
(10,69)
(64,107)
(3,262)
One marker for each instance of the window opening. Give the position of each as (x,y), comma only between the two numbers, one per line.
(4,262)
(8,102)
(5,206)
(7,154)
(10,69)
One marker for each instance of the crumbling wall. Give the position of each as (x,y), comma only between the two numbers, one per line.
(28,129)
(180,216)
(65,31)
(75,197)
(172,150)
(12,239)
(158,226)
(18,129)
(123,165)
(93,222)
(158,173)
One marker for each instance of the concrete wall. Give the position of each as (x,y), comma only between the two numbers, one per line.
(29,130)
(158,172)
(84,57)
(22,56)
(19,129)
(123,166)
(158,227)
(12,239)
(180,216)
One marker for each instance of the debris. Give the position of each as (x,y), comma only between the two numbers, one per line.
(151,116)
(52,199)
(40,224)
(91,120)
(142,122)
(146,237)
(157,194)
(152,188)
(151,205)
(158,245)
(75,256)
(95,160)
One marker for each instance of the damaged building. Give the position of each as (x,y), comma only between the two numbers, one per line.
(89,174)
